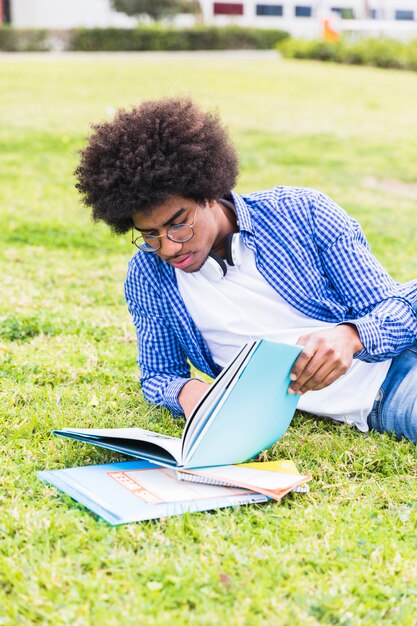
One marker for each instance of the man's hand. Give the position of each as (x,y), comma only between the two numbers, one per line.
(190,394)
(326,355)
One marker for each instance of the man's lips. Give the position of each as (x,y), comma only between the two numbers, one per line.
(182,261)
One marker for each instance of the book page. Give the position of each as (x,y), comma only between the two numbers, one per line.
(285,466)
(254,411)
(271,483)
(161,485)
(209,401)
(134,441)
(228,384)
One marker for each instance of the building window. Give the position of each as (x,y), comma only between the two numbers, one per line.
(404,15)
(373,14)
(345,14)
(228,8)
(269,9)
(303,11)
(5,12)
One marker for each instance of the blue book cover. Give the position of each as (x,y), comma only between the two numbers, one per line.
(254,412)
(134,491)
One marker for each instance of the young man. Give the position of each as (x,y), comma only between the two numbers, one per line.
(216,269)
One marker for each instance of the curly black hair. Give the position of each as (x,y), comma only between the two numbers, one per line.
(161,148)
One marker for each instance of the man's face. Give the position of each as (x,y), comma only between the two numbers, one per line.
(190,255)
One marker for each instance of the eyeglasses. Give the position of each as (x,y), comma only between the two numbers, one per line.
(179,233)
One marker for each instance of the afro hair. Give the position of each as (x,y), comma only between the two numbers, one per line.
(161,148)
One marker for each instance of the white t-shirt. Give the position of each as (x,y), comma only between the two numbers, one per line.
(243,307)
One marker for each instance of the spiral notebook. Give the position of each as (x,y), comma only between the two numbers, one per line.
(274,478)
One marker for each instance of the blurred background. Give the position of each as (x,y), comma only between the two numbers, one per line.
(299,17)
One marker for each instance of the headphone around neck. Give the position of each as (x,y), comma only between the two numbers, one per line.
(215,268)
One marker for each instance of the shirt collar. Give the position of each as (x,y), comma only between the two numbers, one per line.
(244,221)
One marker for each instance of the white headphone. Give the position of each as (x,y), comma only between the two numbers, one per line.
(215,268)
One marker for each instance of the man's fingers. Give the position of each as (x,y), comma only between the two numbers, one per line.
(315,365)
(331,378)
(314,372)
(308,382)
(305,367)
(301,363)
(324,376)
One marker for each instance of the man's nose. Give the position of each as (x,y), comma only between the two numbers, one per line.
(169,248)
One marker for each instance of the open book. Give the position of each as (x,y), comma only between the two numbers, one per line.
(245,410)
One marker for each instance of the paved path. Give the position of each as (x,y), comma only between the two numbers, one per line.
(201,54)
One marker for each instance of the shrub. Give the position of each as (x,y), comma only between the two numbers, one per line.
(384,52)
(310,49)
(162,38)
(155,37)
(411,55)
(23,40)
(378,52)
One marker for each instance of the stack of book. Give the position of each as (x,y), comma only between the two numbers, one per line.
(246,410)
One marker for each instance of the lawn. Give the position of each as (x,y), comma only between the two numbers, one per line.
(343,554)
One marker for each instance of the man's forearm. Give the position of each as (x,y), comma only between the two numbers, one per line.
(387,330)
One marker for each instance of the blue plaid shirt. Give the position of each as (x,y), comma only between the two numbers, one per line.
(310,251)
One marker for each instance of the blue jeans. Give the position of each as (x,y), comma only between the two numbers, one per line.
(395,408)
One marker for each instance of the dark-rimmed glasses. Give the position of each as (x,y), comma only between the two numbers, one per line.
(179,233)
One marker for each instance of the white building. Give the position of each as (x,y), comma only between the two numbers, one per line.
(303,18)
(63,14)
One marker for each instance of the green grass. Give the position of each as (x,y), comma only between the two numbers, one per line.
(343,554)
